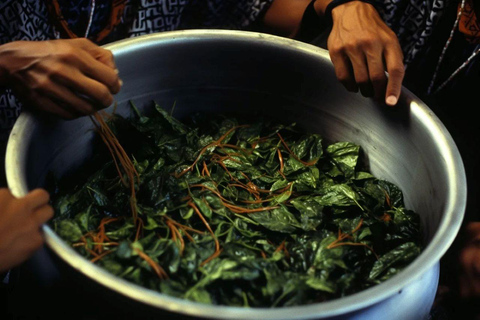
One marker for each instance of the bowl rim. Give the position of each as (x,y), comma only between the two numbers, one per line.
(430,256)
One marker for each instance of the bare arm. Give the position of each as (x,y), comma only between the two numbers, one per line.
(362,47)
(284,17)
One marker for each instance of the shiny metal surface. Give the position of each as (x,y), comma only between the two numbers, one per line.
(234,71)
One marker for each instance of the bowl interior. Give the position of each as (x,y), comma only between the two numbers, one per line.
(248,73)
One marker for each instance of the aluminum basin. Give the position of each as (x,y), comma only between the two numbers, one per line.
(244,72)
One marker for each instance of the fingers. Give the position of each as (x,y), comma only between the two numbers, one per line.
(20,221)
(93,90)
(43,214)
(73,86)
(361,66)
(344,72)
(74,75)
(99,64)
(37,208)
(100,72)
(99,53)
(37,198)
(361,74)
(363,50)
(63,97)
(366,71)
(93,79)
(376,72)
(396,72)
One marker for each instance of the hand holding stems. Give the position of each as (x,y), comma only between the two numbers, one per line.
(68,78)
(20,223)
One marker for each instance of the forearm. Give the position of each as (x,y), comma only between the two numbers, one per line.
(284,17)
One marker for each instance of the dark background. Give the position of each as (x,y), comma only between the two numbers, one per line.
(39,289)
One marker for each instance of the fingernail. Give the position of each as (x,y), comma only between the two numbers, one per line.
(391,100)
(116,71)
(120,82)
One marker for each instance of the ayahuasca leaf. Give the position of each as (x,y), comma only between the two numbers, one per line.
(249,213)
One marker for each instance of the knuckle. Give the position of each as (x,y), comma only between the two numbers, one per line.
(81,42)
(56,69)
(391,34)
(343,77)
(109,55)
(68,53)
(352,46)
(336,50)
(41,83)
(362,80)
(366,43)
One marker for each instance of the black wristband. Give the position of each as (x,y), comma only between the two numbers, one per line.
(335,3)
(311,25)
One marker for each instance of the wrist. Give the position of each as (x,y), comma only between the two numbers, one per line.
(332,4)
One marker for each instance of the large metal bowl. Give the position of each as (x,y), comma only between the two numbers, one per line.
(223,71)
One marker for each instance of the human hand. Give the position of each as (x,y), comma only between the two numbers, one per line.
(362,47)
(469,259)
(20,222)
(68,78)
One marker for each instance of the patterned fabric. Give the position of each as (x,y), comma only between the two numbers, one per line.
(75,14)
(469,24)
(24,20)
(29,20)
(413,21)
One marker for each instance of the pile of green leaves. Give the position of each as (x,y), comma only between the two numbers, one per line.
(296,221)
